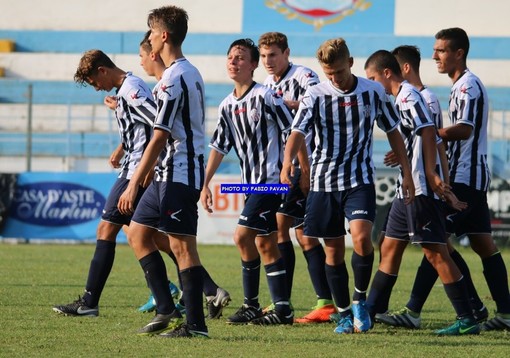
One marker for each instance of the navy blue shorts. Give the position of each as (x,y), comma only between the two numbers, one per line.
(421,222)
(475,219)
(111,212)
(259,212)
(169,207)
(294,203)
(326,211)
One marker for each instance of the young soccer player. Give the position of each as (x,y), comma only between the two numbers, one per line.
(252,120)
(135,111)
(169,204)
(291,81)
(422,221)
(216,297)
(409,60)
(342,111)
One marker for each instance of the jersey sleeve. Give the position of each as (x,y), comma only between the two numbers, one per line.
(466,107)
(141,105)
(388,118)
(305,115)
(279,110)
(168,97)
(221,140)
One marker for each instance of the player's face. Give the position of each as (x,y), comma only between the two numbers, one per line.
(100,80)
(240,66)
(339,73)
(146,61)
(446,59)
(156,38)
(374,75)
(274,59)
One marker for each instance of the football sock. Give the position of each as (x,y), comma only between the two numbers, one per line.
(251,282)
(380,292)
(277,283)
(425,278)
(155,273)
(210,286)
(338,281)
(316,259)
(362,270)
(495,273)
(100,268)
(192,280)
(289,261)
(475,300)
(458,295)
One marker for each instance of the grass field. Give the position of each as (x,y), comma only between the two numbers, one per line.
(35,277)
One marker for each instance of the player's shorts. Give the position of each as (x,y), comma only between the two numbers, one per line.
(294,203)
(111,212)
(475,219)
(421,222)
(259,212)
(169,207)
(326,211)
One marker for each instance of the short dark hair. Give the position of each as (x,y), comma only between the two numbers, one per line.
(145,43)
(383,59)
(458,39)
(408,54)
(250,45)
(89,64)
(171,19)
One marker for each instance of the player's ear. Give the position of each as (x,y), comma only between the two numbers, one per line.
(351,61)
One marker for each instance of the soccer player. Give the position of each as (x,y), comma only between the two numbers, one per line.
(422,221)
(252,120)
(469,172)
(291,81)
(169,204)
(342,111)
(409,59)
(216,297)
(135,111)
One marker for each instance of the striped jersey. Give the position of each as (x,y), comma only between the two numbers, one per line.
(414,116)
(180,101)
(292,87)
(343,124)
(433,105)
(135,113)
(253,125)
(469,105)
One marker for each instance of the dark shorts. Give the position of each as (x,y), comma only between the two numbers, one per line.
(259,212)
(294,203)
(111,212)
(421,222)
(475,219)
(169,207)
(326,212)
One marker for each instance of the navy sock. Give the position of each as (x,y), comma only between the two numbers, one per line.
(338,281)
(425,278)
(495,273)
(380,291)
(251,282)
(100,268)
(362,271)
(192,280)
(458,295)
(155,273)
(316,259)
(475,300)
(210,286)
(277,283)
(289,261)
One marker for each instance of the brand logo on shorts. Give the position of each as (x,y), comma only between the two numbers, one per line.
(450,217)
(359,212)
(300,202)
(173,215)
(263,214)
(426,227)
(242,217)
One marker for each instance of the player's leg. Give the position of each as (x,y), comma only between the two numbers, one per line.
(286,248)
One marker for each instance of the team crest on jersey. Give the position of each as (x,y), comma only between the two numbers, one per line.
(254,115)
(367,111)
(135,95)
(166,89)
(309,74)
(318,13)
(465,89)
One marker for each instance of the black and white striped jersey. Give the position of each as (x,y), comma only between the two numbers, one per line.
(414,116)
(135,113)
(253,125)
(469,105)
(343,123)
(180,99)
(433,105)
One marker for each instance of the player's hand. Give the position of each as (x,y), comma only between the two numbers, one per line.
(110,102)
(408,189)
(390,159)
(206,199)
(452,200)
(116,157)
(126,202)
(438,186)
(304,182)
(286,173)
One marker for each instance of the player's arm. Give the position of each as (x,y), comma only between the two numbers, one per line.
(304,165)
(295,142)
(444,161)
(116,156)
(398,147)
(155,147)
(459,131)
(429,151)
(213,163)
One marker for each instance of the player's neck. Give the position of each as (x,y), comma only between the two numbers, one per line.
(457,73)
(170,54)
(240,88)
